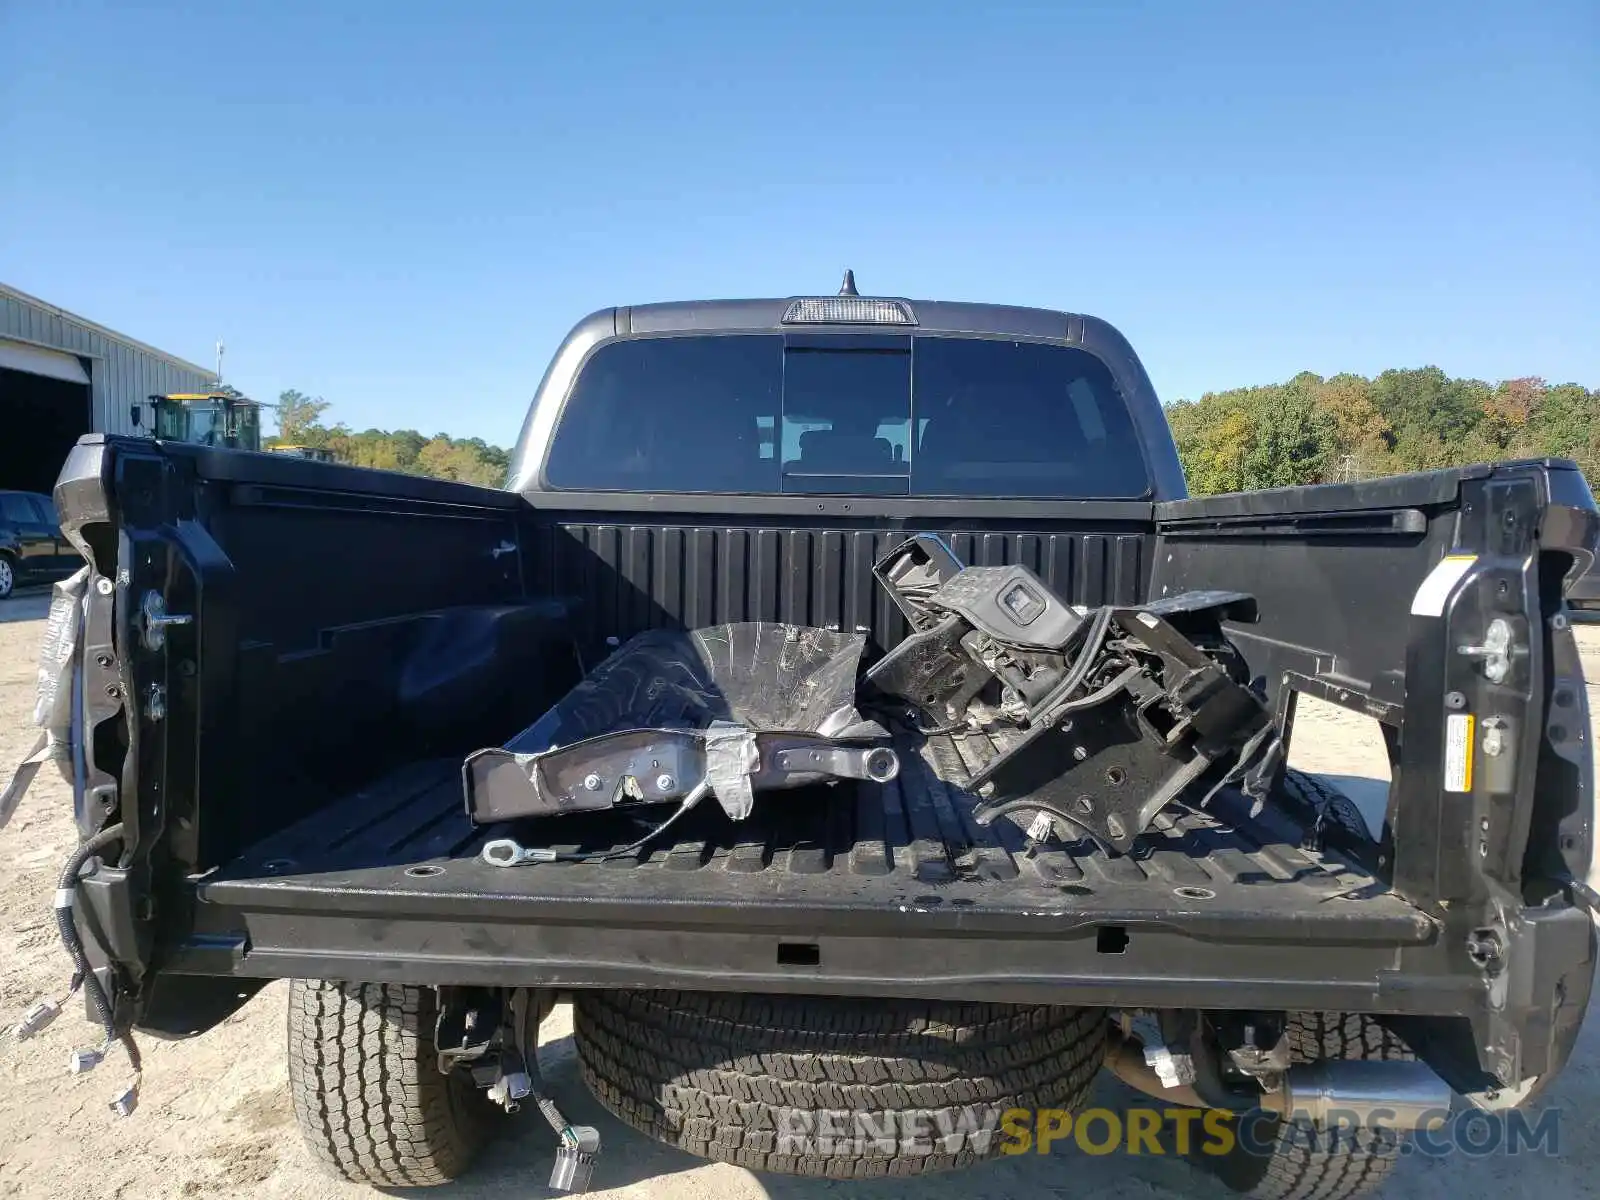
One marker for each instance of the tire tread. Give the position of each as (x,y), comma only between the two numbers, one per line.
(710,1072)
(367,1095)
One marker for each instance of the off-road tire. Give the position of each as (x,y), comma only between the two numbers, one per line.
(1315,794)
(721,1075)
(367,1091)
(1306,1163)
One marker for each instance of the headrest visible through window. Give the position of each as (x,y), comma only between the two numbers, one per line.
(827,450)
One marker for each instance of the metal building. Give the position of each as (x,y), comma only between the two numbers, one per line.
(62,376)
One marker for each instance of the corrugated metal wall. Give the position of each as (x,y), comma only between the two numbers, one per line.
(122,372)
(637,577)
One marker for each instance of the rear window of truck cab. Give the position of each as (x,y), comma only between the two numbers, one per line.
(852,414)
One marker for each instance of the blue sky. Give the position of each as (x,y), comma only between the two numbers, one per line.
(403,206)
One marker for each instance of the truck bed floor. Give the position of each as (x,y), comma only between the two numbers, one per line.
(854,856)
(844,890)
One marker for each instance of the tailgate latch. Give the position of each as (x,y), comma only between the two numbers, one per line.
(154,620)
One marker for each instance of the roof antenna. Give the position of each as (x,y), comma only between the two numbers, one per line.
(848,287)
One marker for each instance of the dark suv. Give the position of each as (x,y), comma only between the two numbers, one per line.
(32,548)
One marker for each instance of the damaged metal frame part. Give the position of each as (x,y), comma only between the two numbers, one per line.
(651,766)
(1105,716)
(741,708)
(1111,759)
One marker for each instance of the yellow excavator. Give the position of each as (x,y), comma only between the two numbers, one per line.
(204,419)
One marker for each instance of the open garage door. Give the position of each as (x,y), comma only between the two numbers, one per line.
(45,407)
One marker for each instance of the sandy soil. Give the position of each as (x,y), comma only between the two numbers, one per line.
(215,1119)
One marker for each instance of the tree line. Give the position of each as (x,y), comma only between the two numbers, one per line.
(1308,430)
(1316,430)
(469,460)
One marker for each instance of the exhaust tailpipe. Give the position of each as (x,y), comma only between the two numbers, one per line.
(1394,1095)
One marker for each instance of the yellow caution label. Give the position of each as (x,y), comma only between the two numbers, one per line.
(1458,737)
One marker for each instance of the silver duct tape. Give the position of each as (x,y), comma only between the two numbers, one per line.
(731,758)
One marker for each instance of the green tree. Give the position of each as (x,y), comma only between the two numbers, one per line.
(1312,429)
(298,413)
(1431,414)
(1567,423)
(1213,437)
(1361,428)
(1292,439)
(470,460)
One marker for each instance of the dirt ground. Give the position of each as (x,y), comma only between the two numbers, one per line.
(214,1117)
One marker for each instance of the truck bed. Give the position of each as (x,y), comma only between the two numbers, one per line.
(865,870)
(284,759)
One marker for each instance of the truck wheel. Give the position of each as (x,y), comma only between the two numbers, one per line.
(367,1091)
(1295,1160)
(832,1087)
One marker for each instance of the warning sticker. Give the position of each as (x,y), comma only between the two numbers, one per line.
(1441,581)
(1458,729)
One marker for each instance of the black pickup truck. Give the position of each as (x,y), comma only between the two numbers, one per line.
(284,665)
